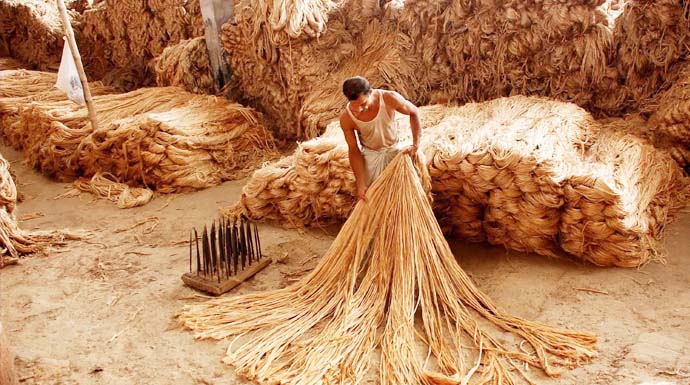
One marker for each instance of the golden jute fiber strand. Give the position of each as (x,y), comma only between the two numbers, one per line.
(503,171)
(106,186)
(362,298)
(8,63)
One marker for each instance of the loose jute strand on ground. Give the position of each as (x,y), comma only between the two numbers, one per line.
(380,271)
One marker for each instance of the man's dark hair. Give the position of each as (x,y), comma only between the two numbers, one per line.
(353,87)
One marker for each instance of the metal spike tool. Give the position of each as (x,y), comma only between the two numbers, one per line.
(230,254)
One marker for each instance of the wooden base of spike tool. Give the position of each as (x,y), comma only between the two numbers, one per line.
(212,286)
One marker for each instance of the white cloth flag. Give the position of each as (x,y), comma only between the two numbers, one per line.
(68,77)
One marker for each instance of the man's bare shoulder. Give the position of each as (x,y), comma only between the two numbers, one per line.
(392,96)
(346,122)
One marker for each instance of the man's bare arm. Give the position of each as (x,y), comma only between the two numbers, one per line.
(406,107)
(355,155)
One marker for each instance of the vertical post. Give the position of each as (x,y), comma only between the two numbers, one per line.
(67,27)
(215,13)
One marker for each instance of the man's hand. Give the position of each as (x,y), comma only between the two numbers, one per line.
(362,192)
(410,150)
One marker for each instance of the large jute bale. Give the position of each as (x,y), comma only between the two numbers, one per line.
(502,164)
(618,201)
(163,138)
(650,41)
(32,31)
(186,65)
(670,115)
(502,171)
(196,145)
(126,35)
(19,88)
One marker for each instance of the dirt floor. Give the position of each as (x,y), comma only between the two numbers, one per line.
(101,311)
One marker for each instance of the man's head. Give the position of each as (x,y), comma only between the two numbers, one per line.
(358,92)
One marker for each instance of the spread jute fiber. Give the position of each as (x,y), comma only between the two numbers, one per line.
(389,287)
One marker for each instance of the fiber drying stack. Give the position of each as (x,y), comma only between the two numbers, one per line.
(162,138)
(512,171)
(618,201)
(186,65)
(32,31)
(126,35)
(450,50)
(650,37)
(195,145)
(498,167)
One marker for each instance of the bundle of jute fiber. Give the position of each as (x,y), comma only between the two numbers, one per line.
(194,145)
(186,65)
(32,31)
(618,201)
(107,186)
(15,242)
(8,375)
(51,132)
(128,34)
(19,88)
(650,39)
(671,110)
(498,167)
(8,63)
(316,183)
(389,262)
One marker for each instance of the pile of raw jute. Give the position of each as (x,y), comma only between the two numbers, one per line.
(19,88)
(14,241)
(607,56)
(126,35)
(162,138)
(514,171)
(389,263)
(8,63)
(186,65)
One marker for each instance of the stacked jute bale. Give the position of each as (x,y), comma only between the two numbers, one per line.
(451,50)
(126,35)
(8,63)
(506,171)
(186,65)
(195,145)
(163,138)
(670,111)
(650,39)
(19,88)
(498,167)
(32,31)
(618,201)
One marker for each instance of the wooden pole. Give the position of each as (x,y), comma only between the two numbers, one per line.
(215,13)
(67,27)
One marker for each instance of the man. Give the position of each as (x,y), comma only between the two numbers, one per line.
(370,113)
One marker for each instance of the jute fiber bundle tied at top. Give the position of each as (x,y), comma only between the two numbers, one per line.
(388,262)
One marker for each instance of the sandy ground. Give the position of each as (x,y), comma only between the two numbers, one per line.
(102,311)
